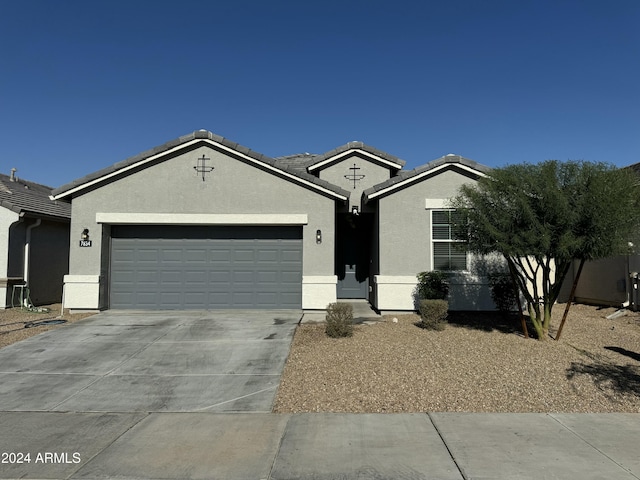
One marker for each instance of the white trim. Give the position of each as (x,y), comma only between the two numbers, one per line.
(396,279)
(424,174)
(318,291)
(200,219)
(81,292)
(328,279)
(435,203)
(81,279)
(395,292)
(350,151)
(185,145)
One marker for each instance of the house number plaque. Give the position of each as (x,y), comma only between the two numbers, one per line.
(85,243)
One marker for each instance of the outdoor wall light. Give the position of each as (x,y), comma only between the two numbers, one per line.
(354,210)
(318,236)
(85,234)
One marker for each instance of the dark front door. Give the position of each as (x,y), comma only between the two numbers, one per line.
(353,255)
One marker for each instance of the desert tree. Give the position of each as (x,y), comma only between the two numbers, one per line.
(543,217)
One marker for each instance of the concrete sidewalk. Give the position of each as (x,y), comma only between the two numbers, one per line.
(320,446)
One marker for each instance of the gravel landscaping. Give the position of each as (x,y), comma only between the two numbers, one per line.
(480,363)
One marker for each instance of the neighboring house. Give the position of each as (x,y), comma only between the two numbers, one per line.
(34,243)
(604,282)
(611,281)
(202,222)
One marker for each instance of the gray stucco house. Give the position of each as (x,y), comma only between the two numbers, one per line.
(202,222)
(34,242)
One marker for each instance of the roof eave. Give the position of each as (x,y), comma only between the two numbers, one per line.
(378,191)
(198,137)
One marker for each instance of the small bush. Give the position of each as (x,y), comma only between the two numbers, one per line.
(503,292)
(432,285)
(433,314)
(339,320)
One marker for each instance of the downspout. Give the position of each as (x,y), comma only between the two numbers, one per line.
(27,248)
(627,281)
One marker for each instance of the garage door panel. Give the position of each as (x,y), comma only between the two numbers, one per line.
(168,276)
(146,255)
(197,276)
(219,273)
(145,298)
(196,256)
(240,278)
(218,298)
(267,278)
(221,255)
(170,302)
(244,256)
(198,267)
(287,298)
(268,256)
(172,255)
(291,256)
(270,299)
(289,277)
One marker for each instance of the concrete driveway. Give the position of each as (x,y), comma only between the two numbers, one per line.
(205,361)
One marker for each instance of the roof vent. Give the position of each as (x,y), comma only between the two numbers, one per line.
(451,155)
(13,174)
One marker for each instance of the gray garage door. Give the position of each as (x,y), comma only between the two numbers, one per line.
(158,267)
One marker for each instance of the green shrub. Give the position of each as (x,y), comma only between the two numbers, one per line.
(432,285)
(339,320)
(503,292)
(433,314)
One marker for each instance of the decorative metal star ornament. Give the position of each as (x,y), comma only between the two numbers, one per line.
(202,167)
(353,176)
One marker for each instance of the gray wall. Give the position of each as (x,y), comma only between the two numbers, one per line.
(602,282)
(405,242)
(375,255)
(405,223)
(173,186)
(49,259)
(373,172)
(49,262)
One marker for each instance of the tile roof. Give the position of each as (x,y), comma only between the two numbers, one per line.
(299,161)
(25,197)
(635,167)
(360,146)
(404,177)
(282,164)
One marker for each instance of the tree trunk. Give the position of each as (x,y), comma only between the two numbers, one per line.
(570,301)
(517,293)
(538,321)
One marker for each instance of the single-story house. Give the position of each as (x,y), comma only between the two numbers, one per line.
(202,223)
(34,243)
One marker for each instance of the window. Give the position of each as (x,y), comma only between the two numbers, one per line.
(449,252)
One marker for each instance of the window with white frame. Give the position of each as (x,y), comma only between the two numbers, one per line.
(449,252)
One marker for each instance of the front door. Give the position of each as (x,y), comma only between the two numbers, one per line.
(353,255)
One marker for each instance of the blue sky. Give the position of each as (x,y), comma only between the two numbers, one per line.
(84,84)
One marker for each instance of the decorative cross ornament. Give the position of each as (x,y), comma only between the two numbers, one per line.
(201,166)
(353,176)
